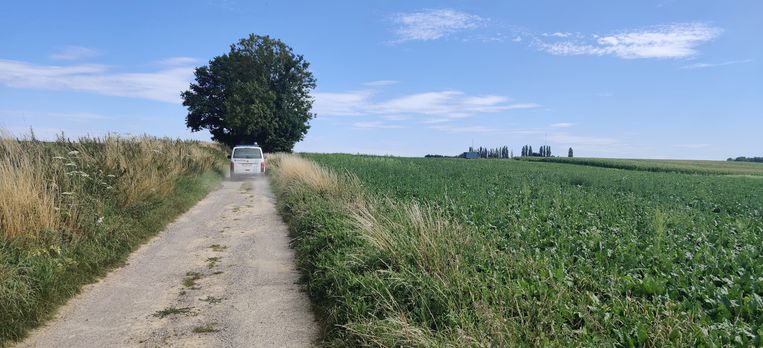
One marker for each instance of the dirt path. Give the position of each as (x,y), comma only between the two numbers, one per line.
(221,275)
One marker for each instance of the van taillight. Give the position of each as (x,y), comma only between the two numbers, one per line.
(231,167)
(262,166)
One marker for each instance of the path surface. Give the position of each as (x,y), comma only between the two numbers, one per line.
(225,265)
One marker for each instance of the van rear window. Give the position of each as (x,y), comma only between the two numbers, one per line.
(247,153)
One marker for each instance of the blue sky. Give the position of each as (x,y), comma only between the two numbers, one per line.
(638,79)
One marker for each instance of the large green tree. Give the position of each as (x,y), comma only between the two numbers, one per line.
(257,92)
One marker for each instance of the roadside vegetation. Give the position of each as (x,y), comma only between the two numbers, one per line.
(671,166)
(72,210)
(447,252)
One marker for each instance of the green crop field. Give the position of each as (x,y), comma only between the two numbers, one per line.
(677,166)
(546,254)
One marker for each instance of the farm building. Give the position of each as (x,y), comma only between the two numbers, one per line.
(470,155)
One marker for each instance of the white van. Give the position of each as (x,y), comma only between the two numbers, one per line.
(247,160)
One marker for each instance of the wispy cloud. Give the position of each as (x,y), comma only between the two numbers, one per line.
(713,65)
(69,116)
(396,117)
(75,53)
(485,129)
(380,83)
(464,129)
(678,40)
(433,24)
(562,125)
(173,61)
(376,124)
(163,85)
(448,104)
(558,34)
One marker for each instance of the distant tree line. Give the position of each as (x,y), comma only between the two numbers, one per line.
(503,152)
(545,151)
(498,152)
(746,159)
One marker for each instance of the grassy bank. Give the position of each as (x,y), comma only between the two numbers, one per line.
(667,166)
(71,211)
(422,252)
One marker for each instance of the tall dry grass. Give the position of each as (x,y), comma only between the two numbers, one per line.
(293,169)
(28,199)
(46,186)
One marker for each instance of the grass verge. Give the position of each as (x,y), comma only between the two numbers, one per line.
(381,273)
(101,199)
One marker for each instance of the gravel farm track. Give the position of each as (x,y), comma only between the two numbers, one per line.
(222,275)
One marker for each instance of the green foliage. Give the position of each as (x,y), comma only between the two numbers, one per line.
(746,159)
(670,166)
(547,255)
(258,92)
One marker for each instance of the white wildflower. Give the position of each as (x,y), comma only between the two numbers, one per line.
(100,220)
(73,153)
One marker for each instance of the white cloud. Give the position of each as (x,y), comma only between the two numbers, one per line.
(464,129)
(483,129)
(437,120)
(713,65)
(449,104)
(350,103)
(396,117)
(380,83)
(375,124)
(433,24)
(677,40)
(185,61)
(163,85)
(70,116)
(557,34)
(562,125)
(75,53)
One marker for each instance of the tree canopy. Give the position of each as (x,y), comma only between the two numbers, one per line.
(257,92)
